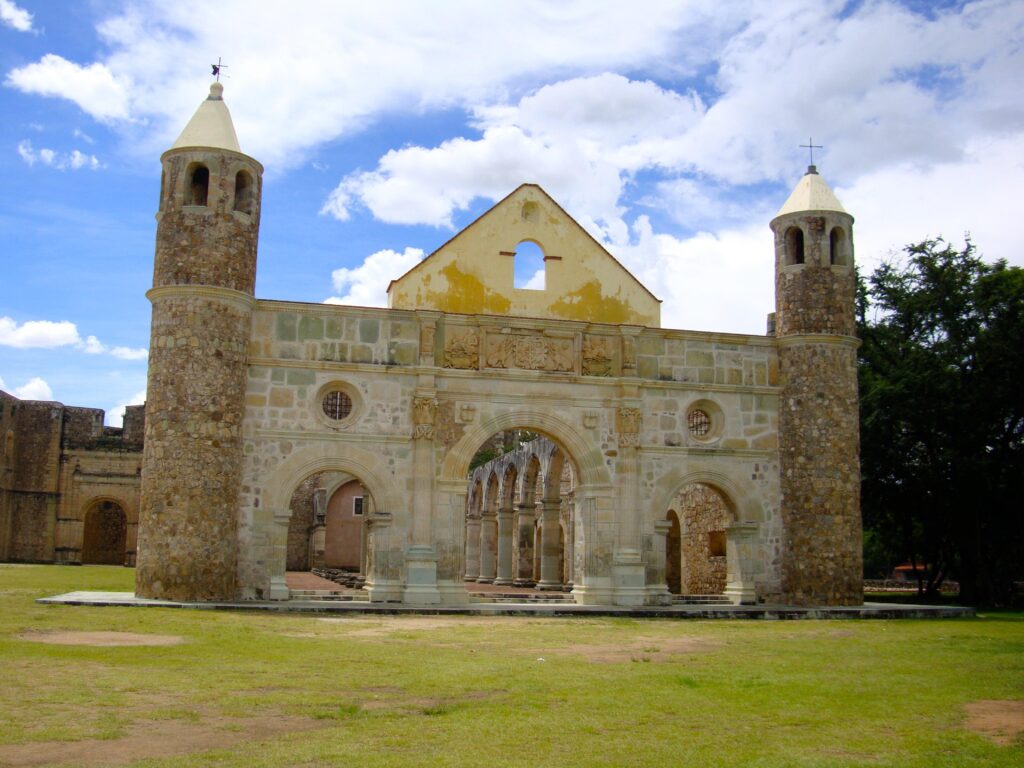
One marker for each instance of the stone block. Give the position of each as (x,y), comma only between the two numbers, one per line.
(286,327)
(311,328)
(369,330)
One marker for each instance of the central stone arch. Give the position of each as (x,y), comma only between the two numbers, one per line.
(582,448)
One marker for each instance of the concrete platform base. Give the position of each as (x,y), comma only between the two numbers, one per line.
(866,611)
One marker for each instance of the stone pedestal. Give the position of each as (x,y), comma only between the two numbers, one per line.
(421,576)
(657,586)
(279,555)
(628,578)
(382,582)
(740,554)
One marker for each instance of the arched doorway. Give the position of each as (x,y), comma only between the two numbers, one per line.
(104,533)
(699,549)
(520,509)
(325,530)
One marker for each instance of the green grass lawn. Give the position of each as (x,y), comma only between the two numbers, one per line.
(258,689)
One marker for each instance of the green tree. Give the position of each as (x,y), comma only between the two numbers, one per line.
(942,418)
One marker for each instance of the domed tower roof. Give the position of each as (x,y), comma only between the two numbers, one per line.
(811,193)
(211,125)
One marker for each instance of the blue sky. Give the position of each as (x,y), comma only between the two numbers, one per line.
(670,130)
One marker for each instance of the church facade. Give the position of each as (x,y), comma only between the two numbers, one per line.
(645,459)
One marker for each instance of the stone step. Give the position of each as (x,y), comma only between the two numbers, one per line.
(328,595)
(700,600)
(521,599)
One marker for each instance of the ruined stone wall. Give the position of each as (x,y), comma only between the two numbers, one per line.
(56,461)
(703,517)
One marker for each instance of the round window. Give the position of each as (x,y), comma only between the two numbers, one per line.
(704,421)
(337,405)
(699,422)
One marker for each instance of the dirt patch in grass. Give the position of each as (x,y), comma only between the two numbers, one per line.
(392,624)
(102,639)
(155,739)
(999,721)
(642,650)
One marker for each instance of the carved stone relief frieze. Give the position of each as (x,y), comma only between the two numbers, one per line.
(462,349)
(597,356)
(627,424)
(530,351)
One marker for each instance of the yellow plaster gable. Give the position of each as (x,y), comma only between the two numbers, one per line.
(473,273)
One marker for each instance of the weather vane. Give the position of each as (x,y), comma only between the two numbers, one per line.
(217,68)
(810,146)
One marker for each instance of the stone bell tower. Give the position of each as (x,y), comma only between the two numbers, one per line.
(203,283)
(819,434)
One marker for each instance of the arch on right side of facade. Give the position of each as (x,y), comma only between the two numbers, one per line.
(743,515)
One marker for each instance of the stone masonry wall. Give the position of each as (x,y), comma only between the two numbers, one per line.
(702,512)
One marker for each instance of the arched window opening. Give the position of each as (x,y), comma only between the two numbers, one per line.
(198,185)
(529,267)
(837,246)
(243,192)
(794,245)
(163,190)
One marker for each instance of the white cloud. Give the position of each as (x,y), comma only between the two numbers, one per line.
(905,203)
(46,334)
(14,17)
(94,88)
(93,346)
(35,389)
(115,415)
(37,334)
(367,284)
(709,282)
(2,384)
(75,160)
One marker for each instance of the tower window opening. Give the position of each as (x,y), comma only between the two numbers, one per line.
(529,269)
(837,246)
(243,192)
(794,245)
(163,190)
(198,185)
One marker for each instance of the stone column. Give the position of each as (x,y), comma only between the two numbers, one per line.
(628,566)
(550,546)
(279,555)
(421,559)
(488,547)
(526,519)
(657,585)
(504,571)
(472,548)
(741,563)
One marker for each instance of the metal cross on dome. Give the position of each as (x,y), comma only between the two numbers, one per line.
(810,146)
(217,68)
